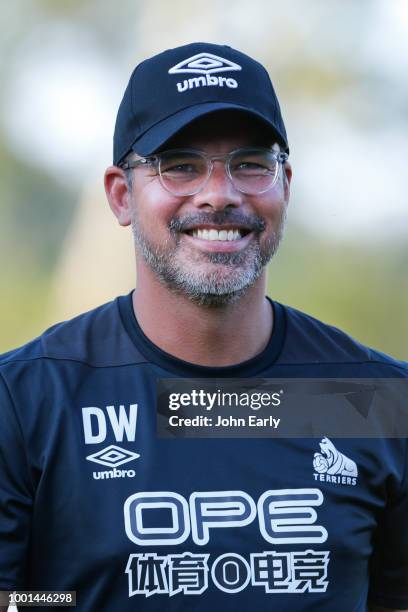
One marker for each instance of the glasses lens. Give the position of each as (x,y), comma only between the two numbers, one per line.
(183,172)
(254,170)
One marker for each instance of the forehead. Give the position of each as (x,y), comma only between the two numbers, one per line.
(223,128)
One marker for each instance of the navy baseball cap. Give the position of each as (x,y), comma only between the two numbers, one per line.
(170,90)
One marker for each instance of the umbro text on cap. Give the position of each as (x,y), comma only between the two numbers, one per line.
(170,90)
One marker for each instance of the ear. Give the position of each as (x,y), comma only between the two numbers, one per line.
(118,194)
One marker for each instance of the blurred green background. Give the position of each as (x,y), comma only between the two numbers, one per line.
(340,71)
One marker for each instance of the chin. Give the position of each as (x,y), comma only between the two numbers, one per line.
(213,300)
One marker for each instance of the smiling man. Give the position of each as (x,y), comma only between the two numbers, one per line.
(93,500)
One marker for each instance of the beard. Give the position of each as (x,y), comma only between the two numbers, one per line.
(209,278)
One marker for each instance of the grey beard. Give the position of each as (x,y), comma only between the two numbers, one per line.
(208,289)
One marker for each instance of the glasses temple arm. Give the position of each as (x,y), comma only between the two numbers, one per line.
(137,162)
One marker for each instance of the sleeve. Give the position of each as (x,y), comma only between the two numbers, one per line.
(389,564)
(16,495)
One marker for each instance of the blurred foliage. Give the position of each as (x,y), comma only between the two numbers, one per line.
(316,80)
(35,211)
(362,289)
(64,7)
(34,214)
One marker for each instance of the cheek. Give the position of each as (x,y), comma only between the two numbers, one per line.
(272,208)
(154,207)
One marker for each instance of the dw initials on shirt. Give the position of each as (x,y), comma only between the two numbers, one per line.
(121,421)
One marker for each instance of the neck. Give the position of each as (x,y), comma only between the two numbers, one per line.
(208,336)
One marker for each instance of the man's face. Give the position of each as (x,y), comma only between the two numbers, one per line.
(173,233)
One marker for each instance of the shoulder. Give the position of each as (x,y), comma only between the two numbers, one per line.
(310,341)
(95,338)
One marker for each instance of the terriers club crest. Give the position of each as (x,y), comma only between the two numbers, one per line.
(331,465)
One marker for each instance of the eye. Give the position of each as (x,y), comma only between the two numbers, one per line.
(251,167)
(180,168)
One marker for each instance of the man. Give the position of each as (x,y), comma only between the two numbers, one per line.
(92,499)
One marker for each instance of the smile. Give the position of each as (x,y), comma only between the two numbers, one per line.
(213,234)
(226,240)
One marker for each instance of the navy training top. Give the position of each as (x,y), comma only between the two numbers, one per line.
(91,500)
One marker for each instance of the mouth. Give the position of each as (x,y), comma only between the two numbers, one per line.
(222,238)
(214,233)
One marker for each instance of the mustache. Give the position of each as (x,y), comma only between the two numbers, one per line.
(250,222)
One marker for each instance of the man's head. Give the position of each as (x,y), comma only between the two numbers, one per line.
(207,227)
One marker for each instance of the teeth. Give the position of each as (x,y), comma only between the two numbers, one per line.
(214,234)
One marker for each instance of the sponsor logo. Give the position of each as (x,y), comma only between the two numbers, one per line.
(286,517)
(205,65)
(113,456)
(331,465)
(300,571)
(205,511)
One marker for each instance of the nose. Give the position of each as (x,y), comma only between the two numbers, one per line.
(218,192)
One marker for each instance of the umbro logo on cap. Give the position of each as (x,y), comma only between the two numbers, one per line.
(205,64)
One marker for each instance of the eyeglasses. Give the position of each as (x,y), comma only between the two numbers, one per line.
(185,172)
